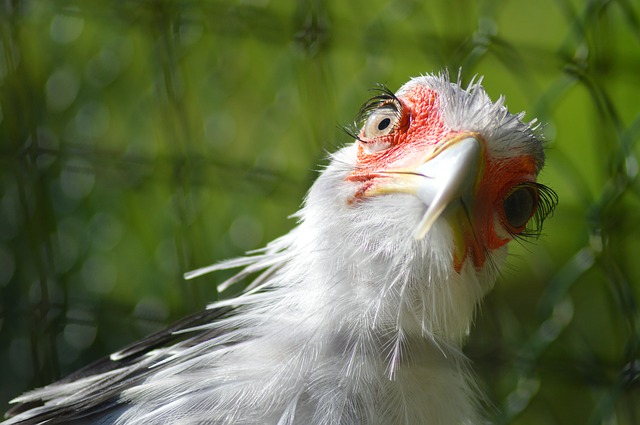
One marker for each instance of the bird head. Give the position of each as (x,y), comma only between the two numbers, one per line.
(468,160)
(424,202)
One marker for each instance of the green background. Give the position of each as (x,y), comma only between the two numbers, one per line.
(141,139)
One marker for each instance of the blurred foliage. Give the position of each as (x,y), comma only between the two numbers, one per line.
(145,138)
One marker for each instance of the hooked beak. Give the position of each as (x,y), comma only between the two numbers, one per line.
(450,174)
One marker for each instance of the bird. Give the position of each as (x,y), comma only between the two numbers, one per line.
(360,313)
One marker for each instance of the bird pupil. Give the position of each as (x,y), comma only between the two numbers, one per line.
(384,123)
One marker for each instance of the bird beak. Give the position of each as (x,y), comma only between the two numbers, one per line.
(448,175)
(451,175)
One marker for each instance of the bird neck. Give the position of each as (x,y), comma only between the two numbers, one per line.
(363,288)
(362,266)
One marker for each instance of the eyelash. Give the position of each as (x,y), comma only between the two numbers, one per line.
(546,203)
(384,97)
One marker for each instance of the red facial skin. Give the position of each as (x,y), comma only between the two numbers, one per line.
(418,133)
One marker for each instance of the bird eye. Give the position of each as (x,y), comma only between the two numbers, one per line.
(381,122)
(519,207)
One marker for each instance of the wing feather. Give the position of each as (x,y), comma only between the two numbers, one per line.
(94,391)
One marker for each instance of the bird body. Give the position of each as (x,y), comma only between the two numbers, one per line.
(358,315)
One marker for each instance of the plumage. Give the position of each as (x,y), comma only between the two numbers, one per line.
(358,315)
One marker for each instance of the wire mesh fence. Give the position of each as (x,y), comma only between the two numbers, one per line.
(143,139)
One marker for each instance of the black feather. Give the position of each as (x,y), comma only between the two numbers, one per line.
(104,395)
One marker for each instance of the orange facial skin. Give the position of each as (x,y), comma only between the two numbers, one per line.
(494,185)
(420,126)
(418,133)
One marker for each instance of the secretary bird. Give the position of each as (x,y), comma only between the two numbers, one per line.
(357,315)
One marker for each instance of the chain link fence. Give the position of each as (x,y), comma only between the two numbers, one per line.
(146,138)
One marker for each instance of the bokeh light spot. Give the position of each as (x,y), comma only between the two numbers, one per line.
(65,29)
(246,232)
(62,89)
